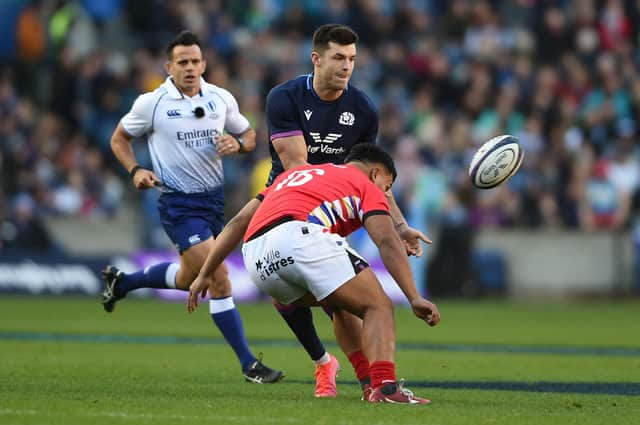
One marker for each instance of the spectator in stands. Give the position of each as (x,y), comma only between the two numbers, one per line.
(23,231)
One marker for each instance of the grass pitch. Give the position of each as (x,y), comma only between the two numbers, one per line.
(64,361)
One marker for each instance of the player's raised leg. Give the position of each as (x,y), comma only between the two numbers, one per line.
(222,307)
(119,284)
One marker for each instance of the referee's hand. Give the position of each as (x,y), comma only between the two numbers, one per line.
(145,179)
(227,145)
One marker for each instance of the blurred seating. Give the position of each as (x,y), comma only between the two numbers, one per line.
(561,75)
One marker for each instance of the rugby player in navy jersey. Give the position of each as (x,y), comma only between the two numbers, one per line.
(184,121)
(318,118)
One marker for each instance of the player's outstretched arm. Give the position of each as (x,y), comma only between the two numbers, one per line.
(410,236)
(291,150)
(380,228)
(226,241)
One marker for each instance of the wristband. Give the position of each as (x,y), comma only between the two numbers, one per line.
(134,170)
(241,143)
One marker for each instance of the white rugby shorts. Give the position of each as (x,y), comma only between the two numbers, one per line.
(297,257)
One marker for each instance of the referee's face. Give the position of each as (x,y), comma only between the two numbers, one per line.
(186,67)
(335,65)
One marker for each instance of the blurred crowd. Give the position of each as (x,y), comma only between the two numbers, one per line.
(562,76)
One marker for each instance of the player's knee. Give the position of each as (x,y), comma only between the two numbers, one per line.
(184,278)
(220,288)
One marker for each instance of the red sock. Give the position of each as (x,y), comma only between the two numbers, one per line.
(360,364)
(382,372)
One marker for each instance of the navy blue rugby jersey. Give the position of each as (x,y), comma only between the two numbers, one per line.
(330,129)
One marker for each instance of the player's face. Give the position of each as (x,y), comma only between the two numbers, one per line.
(186,68)
(381,177)
(335,65)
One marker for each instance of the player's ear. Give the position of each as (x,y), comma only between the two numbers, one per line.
(315,58)
(373,173)
(167,67)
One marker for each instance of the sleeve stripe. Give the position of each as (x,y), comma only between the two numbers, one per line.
(374,212)
(153,114)
(286,134)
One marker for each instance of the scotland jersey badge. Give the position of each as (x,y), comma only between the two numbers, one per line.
(346,118)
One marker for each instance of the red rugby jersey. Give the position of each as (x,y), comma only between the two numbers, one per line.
(339,197)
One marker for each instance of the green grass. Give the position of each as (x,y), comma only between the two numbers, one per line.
(155,381)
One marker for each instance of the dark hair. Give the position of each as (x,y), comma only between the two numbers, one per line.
(341,34)
(370,153)
(185,38)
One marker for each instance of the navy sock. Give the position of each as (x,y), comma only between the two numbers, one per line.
(152,277)
(300,320)
(227,319)
(328,311)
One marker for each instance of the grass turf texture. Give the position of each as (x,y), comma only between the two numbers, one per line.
(64,361)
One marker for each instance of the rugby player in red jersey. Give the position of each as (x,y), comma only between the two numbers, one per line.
(295,250)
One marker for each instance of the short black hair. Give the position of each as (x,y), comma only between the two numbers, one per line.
(337,33)
(185,38)
(370,153)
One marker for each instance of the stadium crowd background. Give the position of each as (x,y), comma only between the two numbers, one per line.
(562,76)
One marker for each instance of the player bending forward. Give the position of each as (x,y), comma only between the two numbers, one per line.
(294,250)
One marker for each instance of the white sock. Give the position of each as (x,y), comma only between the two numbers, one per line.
(323,360)
(220,305)
(170,275)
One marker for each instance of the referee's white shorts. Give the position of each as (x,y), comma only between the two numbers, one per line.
(297,257)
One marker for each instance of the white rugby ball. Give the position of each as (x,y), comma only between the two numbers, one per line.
(496,161)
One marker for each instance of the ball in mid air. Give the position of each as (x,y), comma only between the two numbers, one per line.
(495,161)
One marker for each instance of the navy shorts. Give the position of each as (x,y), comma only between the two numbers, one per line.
(191,218)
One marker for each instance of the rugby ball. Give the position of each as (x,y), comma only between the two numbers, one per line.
(495,161)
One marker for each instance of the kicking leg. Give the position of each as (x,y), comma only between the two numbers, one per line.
(300,321)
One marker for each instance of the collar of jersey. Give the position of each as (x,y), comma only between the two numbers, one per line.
(309,85)
(175,93)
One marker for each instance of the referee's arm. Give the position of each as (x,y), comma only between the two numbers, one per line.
(121,147)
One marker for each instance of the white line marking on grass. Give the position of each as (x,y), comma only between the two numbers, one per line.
(19,412)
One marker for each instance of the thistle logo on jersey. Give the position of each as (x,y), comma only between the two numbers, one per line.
(347,118)
(271,263)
